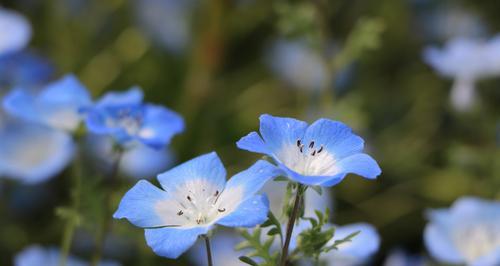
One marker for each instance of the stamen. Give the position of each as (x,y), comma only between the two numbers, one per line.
(300,148)
(313,153)
(299,142)
(311,145)
(320,149)
(180,213)
(198,221)
(222,210)
(216,193)
(189,198)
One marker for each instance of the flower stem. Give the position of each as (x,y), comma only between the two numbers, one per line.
(106,224)
(291,223)
(209,251)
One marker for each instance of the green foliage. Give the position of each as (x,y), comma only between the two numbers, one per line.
(260,247)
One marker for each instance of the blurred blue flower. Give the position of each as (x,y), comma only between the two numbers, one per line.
(465,60)
(58,105)
(399,257)
(166,21)
(15,29)
(299,65)
(137,161)
(194,199)
(223,250)
(24,69)
(124,116)
(33,153)
(467,233)
(322,153)
(37,255)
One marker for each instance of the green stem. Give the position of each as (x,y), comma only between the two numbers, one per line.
(106,224)
(209,251)
(291,223)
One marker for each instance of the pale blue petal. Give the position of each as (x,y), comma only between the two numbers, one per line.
(171,242)
(336,137)
(160,124)
(280,131)
(141,161)
(205,167)
(16,31)
(254,143)
(33,153)
(326,181)
(133,96)
(249,213)
(138,205)
(360,164)
(223,250)
(20,103)
(493,258)
(440,245)
(66,90)
(253,179)
(364,245)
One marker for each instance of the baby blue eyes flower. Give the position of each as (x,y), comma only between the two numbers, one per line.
(467,233)
(16,31)
(124,116)
(465,61)
(194,198)
(57,105)
(33,153)
(322,153)
(37,255)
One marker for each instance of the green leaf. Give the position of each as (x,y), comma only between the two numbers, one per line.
(273,231)
(281,179)
(248,261)
(318,189)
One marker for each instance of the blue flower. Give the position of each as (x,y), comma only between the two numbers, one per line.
(322,153)
(400,257)
(124,116)
(33,153)
(37,255)
(468,232)
(16,31)
(58,105)
(195,198)
(223,250)
(24,69)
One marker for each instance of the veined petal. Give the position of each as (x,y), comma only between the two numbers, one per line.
(139,206)
(249,213)
(159,126)
(254,143)
(171,242)
(360,164)
(440,245)
(133,96)
(336,137)
(206,168)
(280,131)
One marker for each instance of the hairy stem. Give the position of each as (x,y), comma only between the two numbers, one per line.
(291,223)
(209,251)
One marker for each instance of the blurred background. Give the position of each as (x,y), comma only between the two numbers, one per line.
(222,63)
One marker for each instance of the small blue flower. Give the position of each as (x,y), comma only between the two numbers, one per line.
(57,105)
(24,69)
(15,29)
(195,198)
(468,232)
(33,153)
(322,153)
(124,116)
(37,255)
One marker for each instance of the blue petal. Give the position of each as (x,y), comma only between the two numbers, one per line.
(253,179)
(159,126)
(171,242)
(280,131)
(493,258)
(360,164)
(254,143)
(16,31)
(141,161)
(96,122)
(326,181)
(249,213)
(21,104)
(440,245)
(336,137)
(24,69)
(138,205)
(133,96)
(206,167)
(365,244)
(33,153)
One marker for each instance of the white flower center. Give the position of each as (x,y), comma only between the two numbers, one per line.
(196,202)
(478,239)
(126,119)
(309,159)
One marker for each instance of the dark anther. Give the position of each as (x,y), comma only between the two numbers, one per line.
(311,145)
(299,143)
(198,221)
(216,193)
(222,210)
(300,148)
(180,213)
(320,149)
(313,153)
(189,198)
